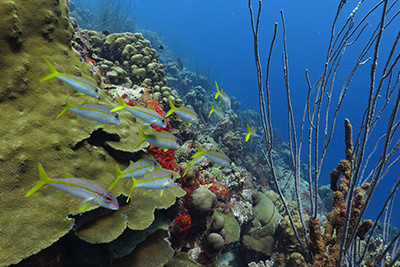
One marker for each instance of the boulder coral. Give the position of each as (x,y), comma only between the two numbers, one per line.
(33,134)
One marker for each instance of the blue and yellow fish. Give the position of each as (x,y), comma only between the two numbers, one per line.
(99,113)
(219,158)
(223,97)
(196,160)
(159,179)
(251,132)
(163,140)
(217,112)
(89,191)
(187,114)
(77,83)
(135,170)
(146,114)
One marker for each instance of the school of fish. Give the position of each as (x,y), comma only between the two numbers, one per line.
(144,173)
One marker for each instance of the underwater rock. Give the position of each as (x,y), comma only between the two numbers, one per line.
(217,224)
(231,226)
(181,259)
(137,215)
(286,241)
(260,238)
(155,251)
(204,200)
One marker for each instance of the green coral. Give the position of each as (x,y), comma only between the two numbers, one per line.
(34,135)
(231,227)
(261,234)
(154,251)
(137,215)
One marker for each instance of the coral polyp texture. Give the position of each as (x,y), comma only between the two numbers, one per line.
(33,134)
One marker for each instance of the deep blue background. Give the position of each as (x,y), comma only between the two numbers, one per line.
(217,35)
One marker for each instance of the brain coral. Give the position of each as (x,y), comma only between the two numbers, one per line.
(34,135)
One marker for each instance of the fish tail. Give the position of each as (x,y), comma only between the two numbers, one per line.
(248,132)
(143,135)
(43,180)
(201,151)
(118,170)
(218,91)
(187,169)
(122,104)
(66,108)
(119,175)
(53,73)
(173,108)
(212,108)
(135,183)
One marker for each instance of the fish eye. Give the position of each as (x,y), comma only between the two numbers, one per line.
(97,90)
(108,198)
(163,120)
(116,115)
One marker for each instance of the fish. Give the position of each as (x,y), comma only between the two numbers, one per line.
(91,192)
(159,179)
(79,84)
(187,114)
(179,63)
(160,47)
(99,113)
(163,140)
(135,169)
(196,160)
(219,158)
(223,97)
(251,132)
(146,114)
(217,112)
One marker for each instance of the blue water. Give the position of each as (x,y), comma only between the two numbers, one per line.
(217,35)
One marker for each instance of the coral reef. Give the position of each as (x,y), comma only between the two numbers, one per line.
(326,247)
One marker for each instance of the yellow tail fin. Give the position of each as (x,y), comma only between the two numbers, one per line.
(218,91)
(122,104)
(43,180)
(172,106)
(53,73)
(212,108)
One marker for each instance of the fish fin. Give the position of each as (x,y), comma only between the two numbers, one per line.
(61,194)
(99,125)
(161,192)
(122,104)
(142,135)
(187,169)
(218,92)
(247,137)
(165,149)
(135,183)
(172,106)
(114,183)
(145,192)
(190,124)
(212,108)
(43,179)
(53,73)
(84,205)
(66,108)
(118,170)
(200,152)
(68,175)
